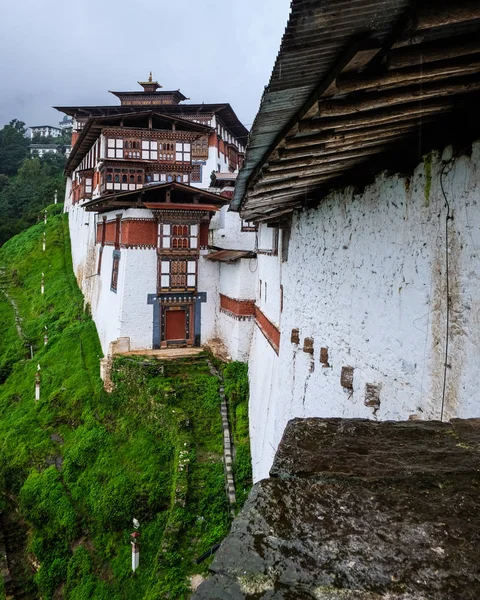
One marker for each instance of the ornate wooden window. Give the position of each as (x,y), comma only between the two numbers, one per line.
(178,237)
(166,151)
(183,152)
(121,179)
(149,150)
(177,275)
(200,148)
(196,173)
(131,149)
(114,148)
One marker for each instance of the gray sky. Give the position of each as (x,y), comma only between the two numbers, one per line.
(61,53)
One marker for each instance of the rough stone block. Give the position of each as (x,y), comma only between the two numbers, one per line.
(295,337)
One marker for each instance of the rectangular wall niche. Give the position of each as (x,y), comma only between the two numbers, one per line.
(324,357)
(346,378)
(308,345)
(372,395)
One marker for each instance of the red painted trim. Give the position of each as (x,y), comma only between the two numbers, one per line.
(269,330)
(239,308)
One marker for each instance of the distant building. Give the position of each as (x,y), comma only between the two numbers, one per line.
(66,123)
(42,149)
(45,131)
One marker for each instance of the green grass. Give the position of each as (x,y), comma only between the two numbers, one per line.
(80,463)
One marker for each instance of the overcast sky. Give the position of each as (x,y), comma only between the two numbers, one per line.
(57,53)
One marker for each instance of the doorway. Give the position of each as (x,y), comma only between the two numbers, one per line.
(176,325)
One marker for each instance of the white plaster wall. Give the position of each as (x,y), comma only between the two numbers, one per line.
(237,279)
(270,273)
(208,278)
(226,232)
(366,278)
(236,335)
(140,280)
(82,227)
(263,373)
(107,305)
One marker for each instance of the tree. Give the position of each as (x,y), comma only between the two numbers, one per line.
(13,147)
(26,194)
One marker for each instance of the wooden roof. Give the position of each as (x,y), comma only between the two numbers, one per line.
(159,196)
(222,109)
(138,119)
(354,83)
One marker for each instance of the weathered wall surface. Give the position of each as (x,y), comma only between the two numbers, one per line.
(366,280)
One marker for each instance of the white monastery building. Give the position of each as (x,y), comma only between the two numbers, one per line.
(149,183)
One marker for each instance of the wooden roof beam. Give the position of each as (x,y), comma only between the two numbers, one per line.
(373,101)
(336,154)
(321,159)
(443,49)
(379,116)
(297,181)
(404,77)
(438,14)
(364,133)
(311,169)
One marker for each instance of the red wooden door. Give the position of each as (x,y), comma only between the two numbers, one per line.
(175,324)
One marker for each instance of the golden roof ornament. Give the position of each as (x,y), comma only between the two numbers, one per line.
(150,85)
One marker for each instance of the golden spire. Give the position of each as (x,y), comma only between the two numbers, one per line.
(150,78)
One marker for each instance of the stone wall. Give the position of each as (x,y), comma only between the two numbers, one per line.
(358,510)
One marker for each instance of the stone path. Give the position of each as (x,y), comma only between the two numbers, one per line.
(227,440)
(164,353)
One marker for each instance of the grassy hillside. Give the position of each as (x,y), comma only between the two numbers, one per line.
(79,464)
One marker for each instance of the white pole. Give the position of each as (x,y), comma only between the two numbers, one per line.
(42,285)
(45,217)
(56,196)
(135,556)
(45,337)
(135,546)
(44,240)
(37,384)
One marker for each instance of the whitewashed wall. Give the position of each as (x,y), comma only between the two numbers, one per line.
(226,232)
(208,277)
(366,278)
(140,280)
(107,305)
(237,279)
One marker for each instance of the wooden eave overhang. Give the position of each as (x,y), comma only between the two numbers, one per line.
(94,126)
(354,88)
(177,94)
(223,110)
(161,196)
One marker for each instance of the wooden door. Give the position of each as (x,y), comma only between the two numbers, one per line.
(175,325)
